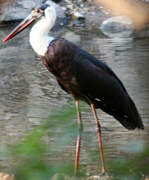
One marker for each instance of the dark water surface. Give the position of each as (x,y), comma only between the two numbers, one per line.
(29,93)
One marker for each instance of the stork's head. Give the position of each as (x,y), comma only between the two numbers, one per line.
(44,11)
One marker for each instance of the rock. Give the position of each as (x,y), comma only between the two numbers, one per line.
(100,177)
(74,11)
(118,26)
(4,176)
(3,5)
(77,15)
(20,9)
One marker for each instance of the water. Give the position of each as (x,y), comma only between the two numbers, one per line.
(29,93)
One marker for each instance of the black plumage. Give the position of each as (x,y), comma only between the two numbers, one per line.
(89,79)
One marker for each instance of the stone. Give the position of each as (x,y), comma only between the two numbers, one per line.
(118,26)
(21,9)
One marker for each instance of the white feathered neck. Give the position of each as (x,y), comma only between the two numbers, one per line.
(39,38)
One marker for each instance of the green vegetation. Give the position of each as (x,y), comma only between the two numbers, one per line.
(32,153)
(136,167)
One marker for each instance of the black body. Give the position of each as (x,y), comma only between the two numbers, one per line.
(87,78)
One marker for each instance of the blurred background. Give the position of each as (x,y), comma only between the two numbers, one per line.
(35,112)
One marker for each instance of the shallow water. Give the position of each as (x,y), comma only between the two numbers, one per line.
(29,93)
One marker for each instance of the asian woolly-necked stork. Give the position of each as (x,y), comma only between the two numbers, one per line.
(80,74)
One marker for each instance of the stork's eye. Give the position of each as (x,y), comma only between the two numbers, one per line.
(37,10)
(36,13)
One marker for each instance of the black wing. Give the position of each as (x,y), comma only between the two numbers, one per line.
(99,83)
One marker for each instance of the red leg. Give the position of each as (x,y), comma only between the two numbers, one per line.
(99,137)
(78,144)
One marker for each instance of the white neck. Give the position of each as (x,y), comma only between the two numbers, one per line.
(39,38)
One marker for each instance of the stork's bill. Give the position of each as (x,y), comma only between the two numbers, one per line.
(35,14)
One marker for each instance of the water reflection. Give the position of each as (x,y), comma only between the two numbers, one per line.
(29,93)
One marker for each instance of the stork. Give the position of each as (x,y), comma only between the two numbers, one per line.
(80,74)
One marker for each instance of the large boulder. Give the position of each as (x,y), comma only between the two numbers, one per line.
(20,9)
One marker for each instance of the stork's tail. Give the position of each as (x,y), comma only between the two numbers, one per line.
(128,116)
(132,119)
